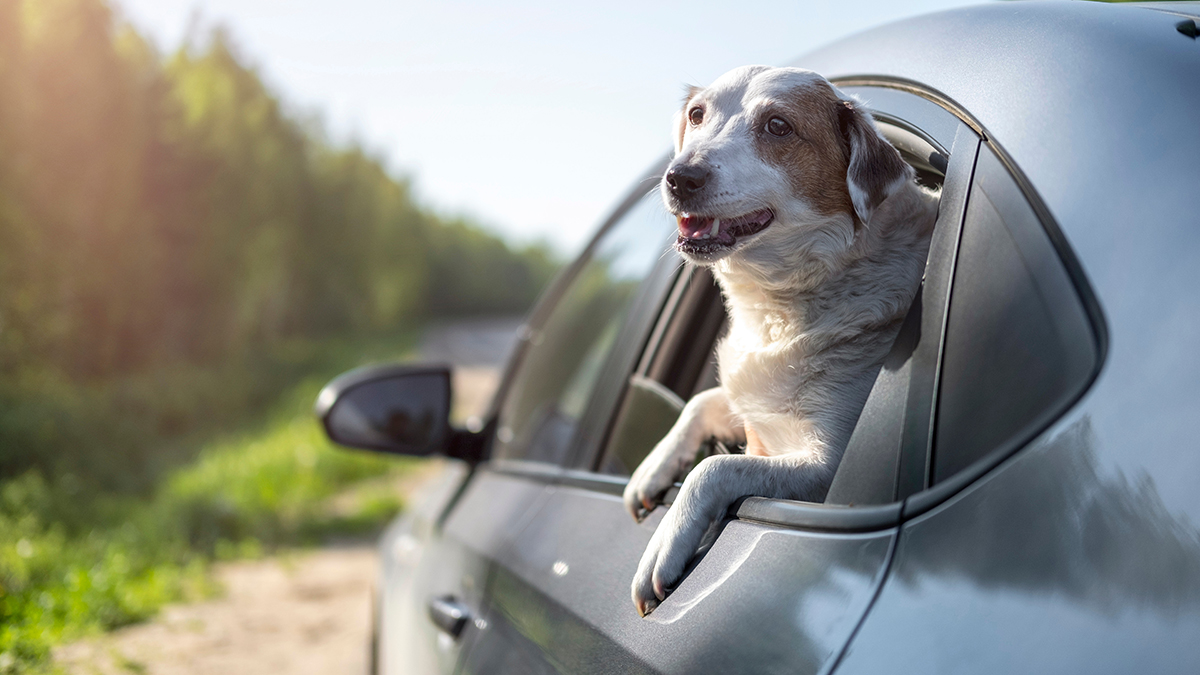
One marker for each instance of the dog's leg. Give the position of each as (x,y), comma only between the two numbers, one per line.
(706,416)
(707,493)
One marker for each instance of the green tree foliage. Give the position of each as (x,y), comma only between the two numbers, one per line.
(162,213)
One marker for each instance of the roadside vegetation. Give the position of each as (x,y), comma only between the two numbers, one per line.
(184,261)
(76,559)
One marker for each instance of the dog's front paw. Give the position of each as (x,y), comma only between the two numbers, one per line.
(648,485)
(666,557)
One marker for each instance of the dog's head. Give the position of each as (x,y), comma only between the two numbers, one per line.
(771,158)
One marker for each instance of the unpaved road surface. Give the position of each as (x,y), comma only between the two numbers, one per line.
(478,349)
(302,614)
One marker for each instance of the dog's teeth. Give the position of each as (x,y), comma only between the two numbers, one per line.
(712,231)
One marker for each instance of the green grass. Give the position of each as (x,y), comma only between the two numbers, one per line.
(275,487)
(76,561)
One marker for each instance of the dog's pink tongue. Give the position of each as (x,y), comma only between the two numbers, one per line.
(693,226)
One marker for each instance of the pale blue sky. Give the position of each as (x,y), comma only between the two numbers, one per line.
(532,117)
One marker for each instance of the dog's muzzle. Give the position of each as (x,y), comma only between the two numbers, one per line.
(707,237)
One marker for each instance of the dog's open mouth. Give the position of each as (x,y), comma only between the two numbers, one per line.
(703,235)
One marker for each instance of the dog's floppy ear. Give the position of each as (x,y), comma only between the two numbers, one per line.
(680,120)
(876,169)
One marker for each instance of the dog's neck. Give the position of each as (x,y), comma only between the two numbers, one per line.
(812,294)
(761,315)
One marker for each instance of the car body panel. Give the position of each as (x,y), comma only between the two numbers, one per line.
(409,555)
(763,599)
(446,549)
(1050,564)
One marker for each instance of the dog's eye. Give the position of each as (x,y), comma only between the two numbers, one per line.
(777,126)
(696,116)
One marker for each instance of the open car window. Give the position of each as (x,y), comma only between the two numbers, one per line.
(679,360)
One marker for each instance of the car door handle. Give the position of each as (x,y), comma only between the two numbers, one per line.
(449,614)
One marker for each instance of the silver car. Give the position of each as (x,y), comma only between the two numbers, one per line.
(1021,491)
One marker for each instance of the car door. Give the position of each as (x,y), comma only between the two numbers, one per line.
(434,565)
(438,560)
(591,321)
(783,585)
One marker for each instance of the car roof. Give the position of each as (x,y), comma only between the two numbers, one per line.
(1096,103)
(1181,8)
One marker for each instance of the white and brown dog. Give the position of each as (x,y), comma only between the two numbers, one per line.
(817,233)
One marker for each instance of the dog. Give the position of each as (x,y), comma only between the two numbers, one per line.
(817,233)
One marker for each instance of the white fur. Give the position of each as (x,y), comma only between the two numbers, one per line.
(814,303)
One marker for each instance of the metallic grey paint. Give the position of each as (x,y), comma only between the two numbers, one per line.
(426,557)
(1054,564)
(771,599)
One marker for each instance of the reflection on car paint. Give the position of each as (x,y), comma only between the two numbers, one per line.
(1050,557)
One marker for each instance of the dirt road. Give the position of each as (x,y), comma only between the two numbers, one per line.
(301,614)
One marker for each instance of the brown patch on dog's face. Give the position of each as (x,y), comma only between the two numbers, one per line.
(812,153)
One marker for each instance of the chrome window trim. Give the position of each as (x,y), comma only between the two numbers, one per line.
(778,512)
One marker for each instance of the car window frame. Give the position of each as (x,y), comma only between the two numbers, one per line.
(918,494)
(783,512)
(998,217)
(933,494)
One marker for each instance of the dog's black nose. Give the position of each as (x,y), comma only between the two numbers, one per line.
(686,180)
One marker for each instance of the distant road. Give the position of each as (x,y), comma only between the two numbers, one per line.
(473,342)
(478,348)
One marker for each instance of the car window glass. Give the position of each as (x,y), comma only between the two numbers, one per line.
(1018,345)
(565,358)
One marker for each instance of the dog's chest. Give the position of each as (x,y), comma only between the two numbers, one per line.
(763,367)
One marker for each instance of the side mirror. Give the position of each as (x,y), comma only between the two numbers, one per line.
(399,409)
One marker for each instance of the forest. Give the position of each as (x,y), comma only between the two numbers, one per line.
(166,213)
(179,251)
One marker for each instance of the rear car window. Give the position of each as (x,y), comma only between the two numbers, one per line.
(1019,346)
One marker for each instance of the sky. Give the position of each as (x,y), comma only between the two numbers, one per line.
(532,118)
